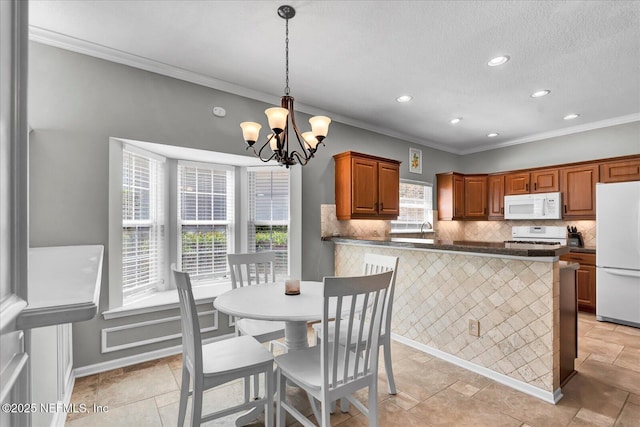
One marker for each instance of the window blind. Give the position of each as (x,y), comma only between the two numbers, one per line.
(416,204)
(268,228)
(205,216)
(142,225)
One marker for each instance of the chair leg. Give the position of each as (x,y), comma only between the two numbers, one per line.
(247,388)
(256,386)
(373,404)
(268,390)
(184,395)
(325,421)
(388,367)
(196,402)
(281,385)
(314,407)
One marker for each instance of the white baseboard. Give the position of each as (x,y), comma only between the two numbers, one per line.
(84,371)
(547,396)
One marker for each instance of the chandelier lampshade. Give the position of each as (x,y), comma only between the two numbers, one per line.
(282,119)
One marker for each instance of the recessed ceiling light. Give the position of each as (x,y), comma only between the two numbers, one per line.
(540,93)
(492,135)
(498,60)
(404,98)
(571,116)
(455,121)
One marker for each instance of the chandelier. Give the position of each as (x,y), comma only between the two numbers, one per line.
(281,120)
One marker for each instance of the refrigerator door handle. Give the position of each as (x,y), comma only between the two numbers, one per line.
(620,272)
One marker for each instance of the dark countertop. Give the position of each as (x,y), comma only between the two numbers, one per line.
(496,248)
(585,250)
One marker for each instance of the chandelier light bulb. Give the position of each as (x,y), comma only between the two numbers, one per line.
(250,131)
(273,142)
(277,117)
(320,126)
(310,140)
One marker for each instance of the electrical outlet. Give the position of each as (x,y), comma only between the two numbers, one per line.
(474,328)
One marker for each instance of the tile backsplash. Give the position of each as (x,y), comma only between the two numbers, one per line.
(487,231)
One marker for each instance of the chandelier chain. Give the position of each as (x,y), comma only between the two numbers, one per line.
(286,53)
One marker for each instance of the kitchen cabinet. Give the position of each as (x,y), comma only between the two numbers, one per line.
(620,171)
(366,187)
(578,186)
(536,181)
(495,185)
(516,183)
(586,277)
(461,197)
(450,193)
(545,181)
(475,197)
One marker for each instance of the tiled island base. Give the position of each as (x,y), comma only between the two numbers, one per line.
(515,300)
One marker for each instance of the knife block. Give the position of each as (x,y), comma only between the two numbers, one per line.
(575,240)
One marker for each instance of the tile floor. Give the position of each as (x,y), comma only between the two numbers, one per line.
(431,392)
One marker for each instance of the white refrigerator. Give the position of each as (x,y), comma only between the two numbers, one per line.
(618,252)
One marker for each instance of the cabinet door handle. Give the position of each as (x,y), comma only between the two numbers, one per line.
(381,206)
(526,187)
(565,208)
(535,186)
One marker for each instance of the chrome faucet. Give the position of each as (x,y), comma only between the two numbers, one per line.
(428,224)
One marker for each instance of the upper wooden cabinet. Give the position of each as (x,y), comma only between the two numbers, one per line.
(475,197)
(461,197)
(366,187)
(450,193)
(620,171)
(545,181)
(516,183)
(495,185)
(578,186)
(536,181)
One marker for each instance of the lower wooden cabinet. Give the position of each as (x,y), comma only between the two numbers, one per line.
(586,279)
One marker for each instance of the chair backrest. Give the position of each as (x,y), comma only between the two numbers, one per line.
(375,263)
(355,360)
(252,268)
(191,339)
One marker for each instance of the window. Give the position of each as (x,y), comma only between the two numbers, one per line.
(416,207)
(142,224)
(268,224)
(192,212)
(205,217)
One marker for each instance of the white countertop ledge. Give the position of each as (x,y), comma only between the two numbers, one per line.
(64,285)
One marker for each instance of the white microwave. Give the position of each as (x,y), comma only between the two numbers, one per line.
(533,206)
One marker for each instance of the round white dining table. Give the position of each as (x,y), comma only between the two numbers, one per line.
(269,302)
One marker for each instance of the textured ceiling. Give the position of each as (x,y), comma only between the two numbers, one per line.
(352,59)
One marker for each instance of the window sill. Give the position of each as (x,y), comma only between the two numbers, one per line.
(167,300)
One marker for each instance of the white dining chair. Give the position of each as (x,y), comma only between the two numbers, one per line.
(373,264)
(249,269)
(329,372)
(211,365)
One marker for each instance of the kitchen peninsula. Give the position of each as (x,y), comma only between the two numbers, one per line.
(512,291)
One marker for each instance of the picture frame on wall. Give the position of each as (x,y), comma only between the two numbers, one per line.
(415,160)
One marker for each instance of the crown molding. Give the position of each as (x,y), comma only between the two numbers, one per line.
(560,132)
